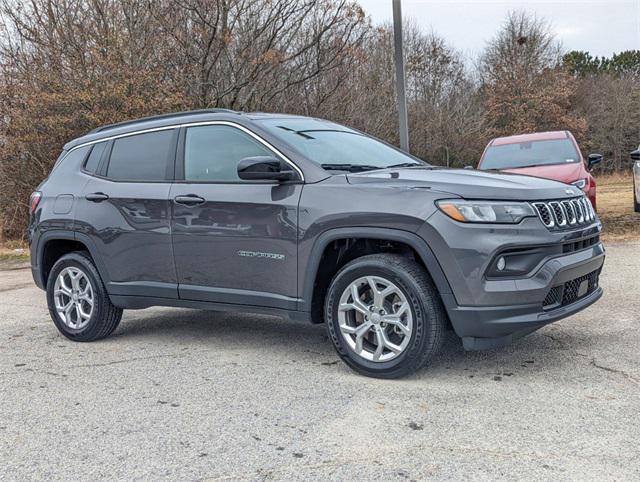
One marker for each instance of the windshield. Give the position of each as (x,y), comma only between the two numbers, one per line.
(335,147)
(532,153)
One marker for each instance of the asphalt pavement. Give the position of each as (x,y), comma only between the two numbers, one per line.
(190,395)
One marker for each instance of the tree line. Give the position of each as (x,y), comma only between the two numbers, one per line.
(67,66)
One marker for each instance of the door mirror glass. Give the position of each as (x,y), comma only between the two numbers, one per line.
(635,155)
(594,159)
(265,168)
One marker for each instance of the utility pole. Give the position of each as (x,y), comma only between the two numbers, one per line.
(400,87)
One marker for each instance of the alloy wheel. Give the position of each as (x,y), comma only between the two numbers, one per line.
(73,296)
(375,318)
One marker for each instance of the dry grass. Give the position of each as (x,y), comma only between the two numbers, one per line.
(615,207)
(14,251)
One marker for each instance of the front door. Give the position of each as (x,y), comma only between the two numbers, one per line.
(234,241)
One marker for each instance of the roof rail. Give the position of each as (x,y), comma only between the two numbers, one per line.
(162,116)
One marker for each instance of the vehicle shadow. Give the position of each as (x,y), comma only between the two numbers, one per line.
(260,332)
(275,338)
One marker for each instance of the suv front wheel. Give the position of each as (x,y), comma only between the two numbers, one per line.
(78,301)
(384,315)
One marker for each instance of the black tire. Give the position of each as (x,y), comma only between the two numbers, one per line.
(426,307)
(104,318)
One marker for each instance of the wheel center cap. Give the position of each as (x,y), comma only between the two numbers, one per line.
(375,318)
(75,296)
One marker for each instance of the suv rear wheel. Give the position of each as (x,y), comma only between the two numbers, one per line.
(78,301)
(384,315)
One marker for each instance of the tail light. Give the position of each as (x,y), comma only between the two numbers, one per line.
(34,200)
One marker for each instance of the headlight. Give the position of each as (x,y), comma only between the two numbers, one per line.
(485,211)
(580,183)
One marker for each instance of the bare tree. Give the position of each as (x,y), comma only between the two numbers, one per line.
(248,53)
(611,105)
(524,84)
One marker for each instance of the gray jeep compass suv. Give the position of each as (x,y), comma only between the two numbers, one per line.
(312,220)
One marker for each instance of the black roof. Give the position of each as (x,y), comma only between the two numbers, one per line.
(170,115)
(169,119)
(161,120)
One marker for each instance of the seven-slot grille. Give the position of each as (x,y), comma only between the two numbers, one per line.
(567,213)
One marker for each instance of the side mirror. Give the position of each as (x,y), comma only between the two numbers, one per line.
(469,167)
(594,159)
(265,168)
(635,155)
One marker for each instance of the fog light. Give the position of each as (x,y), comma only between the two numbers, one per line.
(501,263)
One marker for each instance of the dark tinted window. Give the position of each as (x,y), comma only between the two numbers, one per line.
(142,157)
(94,158)
(212,153)
(532,153)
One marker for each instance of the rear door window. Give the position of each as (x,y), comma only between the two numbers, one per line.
(142,157)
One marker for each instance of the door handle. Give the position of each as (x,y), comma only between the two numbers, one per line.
(96,197)
(189,200)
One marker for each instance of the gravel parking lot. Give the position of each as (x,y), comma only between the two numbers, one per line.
(183,394)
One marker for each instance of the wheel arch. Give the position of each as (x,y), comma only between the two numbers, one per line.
(54,244)
(313,268)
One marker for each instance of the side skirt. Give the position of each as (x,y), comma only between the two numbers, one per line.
(141,302)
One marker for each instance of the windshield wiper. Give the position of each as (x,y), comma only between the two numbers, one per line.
(349,167)
(406,164)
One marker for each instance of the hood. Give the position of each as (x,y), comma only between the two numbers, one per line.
(568,172)
(468,183)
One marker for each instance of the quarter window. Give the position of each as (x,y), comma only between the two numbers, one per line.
(141,157)
(94,158)
(72,159)
(212,153)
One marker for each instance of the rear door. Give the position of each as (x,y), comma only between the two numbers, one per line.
(234,241)
(125,211)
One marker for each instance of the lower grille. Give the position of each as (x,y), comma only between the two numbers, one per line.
(553,297)
(579,245)
(571,291)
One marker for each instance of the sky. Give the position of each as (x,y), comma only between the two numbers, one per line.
(601,27)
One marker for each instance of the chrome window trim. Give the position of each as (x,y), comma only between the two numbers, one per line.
(196,124)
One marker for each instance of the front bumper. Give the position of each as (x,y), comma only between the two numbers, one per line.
(488,312)
(492,326)
(484,329)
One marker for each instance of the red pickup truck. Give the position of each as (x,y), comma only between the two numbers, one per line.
(551,155)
